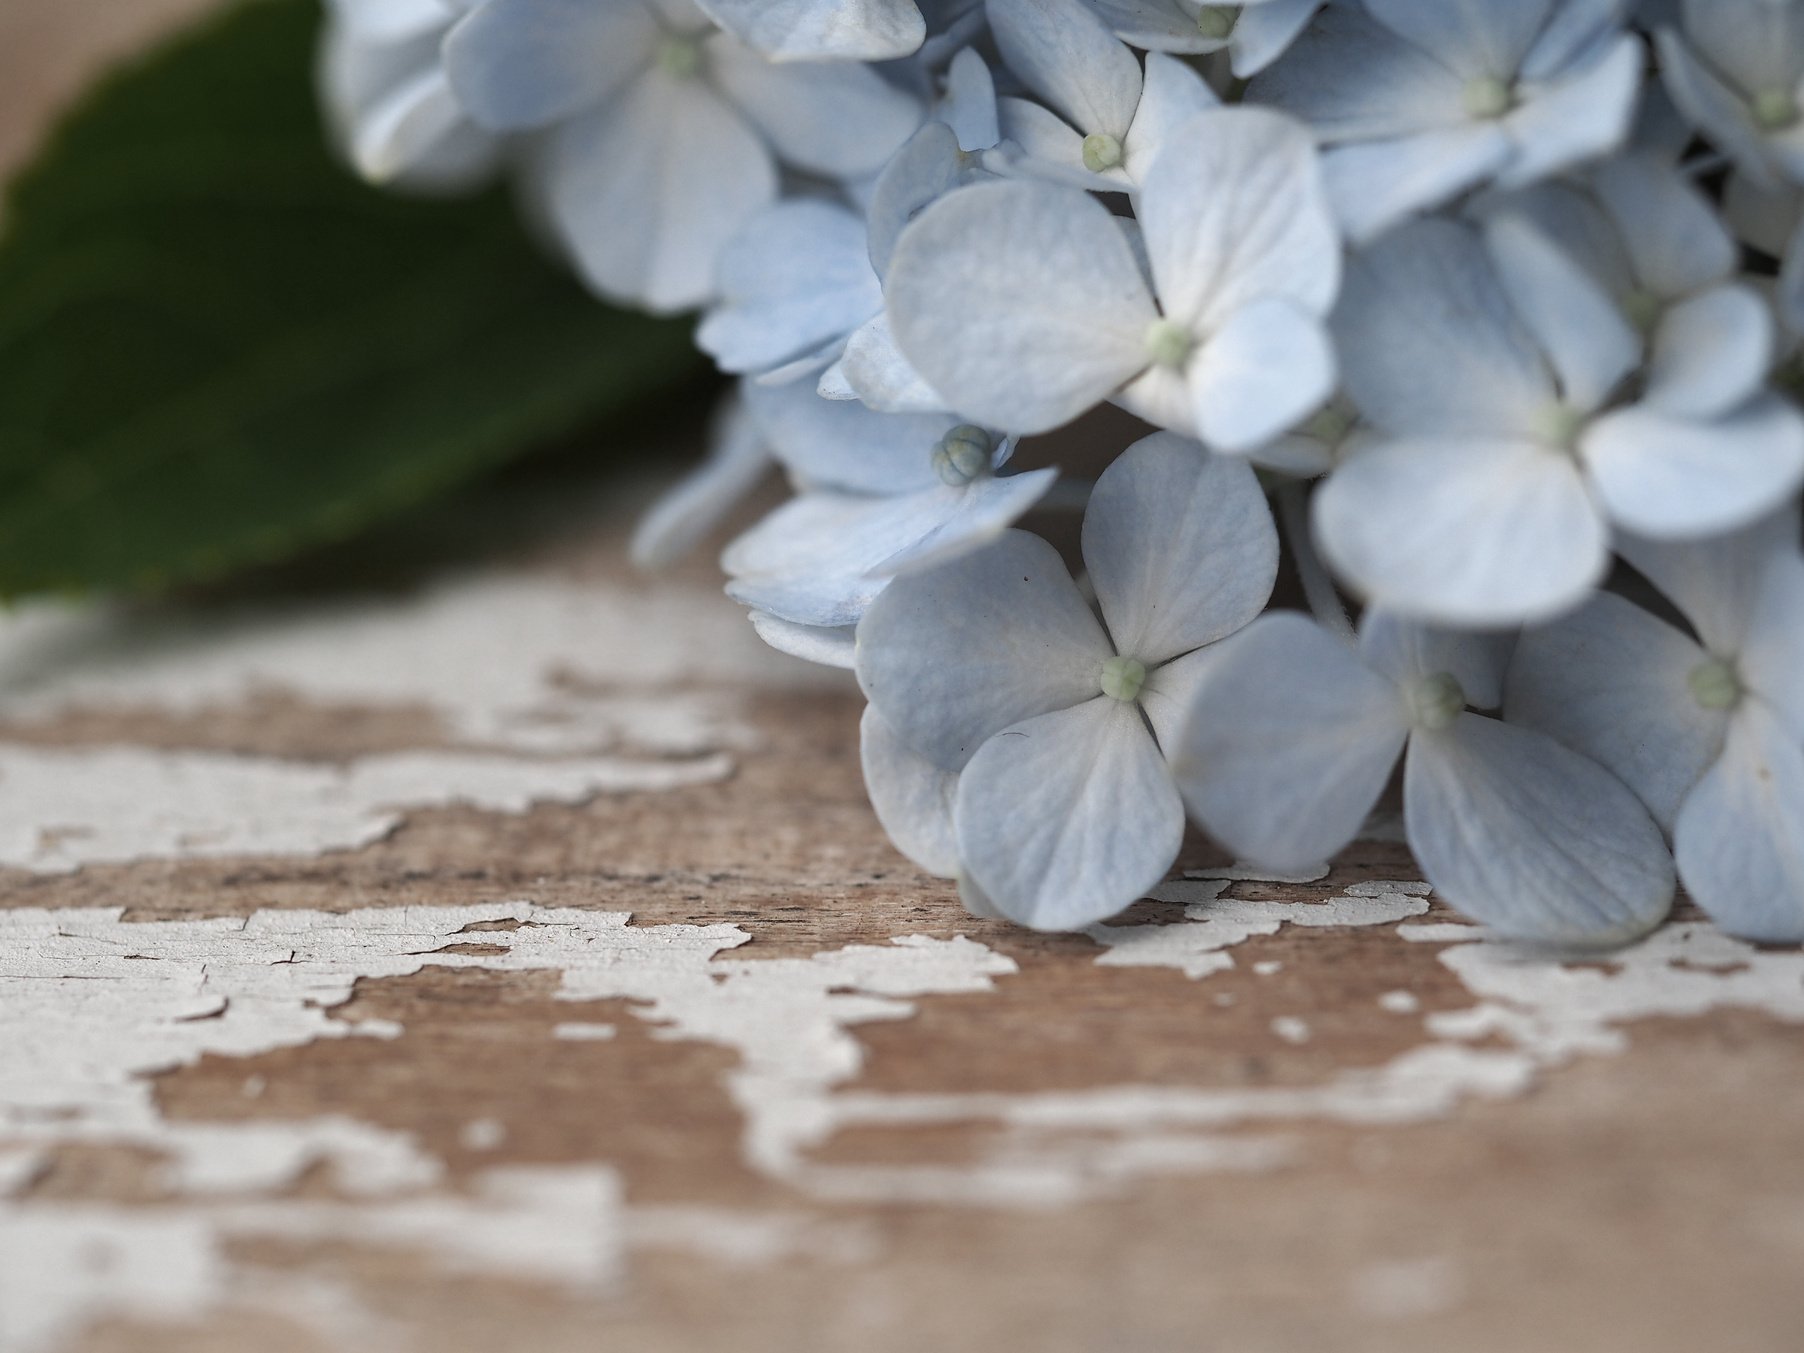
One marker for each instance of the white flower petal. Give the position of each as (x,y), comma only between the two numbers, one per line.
(1235,211)
(1711,353)
(797,277)
(1740,837)
(822,30)
(969,105)
(838,444)
(1353,79)
(1066,818)
(1429,341)
(1266,369)
(1672,233)
(1289,743)
(876,372)
(1407,652)
(639,232)
(688,512)
(1041,144)
(1712,107)
(1377,185)
(942,523)
(1061,51)
(1539,843)
(1573,35)
(927,167)
(1580,119)
(1772,661)
(1173,93)
(1180,546)
(1171,689)
(1155,25)
(1265,32)
(1022,303)
(830,646)
(1473,38)
(911,796)
(1715,581)
(1609,680)
(1463,532)
(956,653)
(1587,340)
(1659,475)
(527,63)
(831,117)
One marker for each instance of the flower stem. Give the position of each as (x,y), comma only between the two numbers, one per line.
(1318,588)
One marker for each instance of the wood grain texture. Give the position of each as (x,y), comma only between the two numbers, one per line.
(1376,1135)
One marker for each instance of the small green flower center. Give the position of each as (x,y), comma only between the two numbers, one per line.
(1774,109)
(1437,701)
(1168,343)
(1101,151)
(1486,96)
(679,57)
(1643,309)
(1714,684)
(1217,21)
(1330,425)
(1561,425)
(1122,678)
(962,455)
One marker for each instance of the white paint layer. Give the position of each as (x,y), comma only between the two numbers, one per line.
(63,808)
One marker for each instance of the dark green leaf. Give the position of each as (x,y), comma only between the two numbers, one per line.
(216,348)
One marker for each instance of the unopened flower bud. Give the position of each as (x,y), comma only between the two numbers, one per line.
(962,455)
(1101,151)
(1122,678)
(1168,343)
(1714,685)
(1437,701)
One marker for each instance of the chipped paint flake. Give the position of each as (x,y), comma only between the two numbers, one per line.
(64,808)
(1213,924)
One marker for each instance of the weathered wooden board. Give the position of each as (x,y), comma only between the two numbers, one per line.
(513,962)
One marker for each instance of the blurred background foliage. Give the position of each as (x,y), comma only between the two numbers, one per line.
(219,351)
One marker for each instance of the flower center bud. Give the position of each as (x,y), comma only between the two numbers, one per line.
(962,455)
(1561,425)
(1774,109)
(1122,678)
(1217,21)
(1101,151)
(1168,343)
(1643,309)
(679,57)
(1487,96)
(1330,425)
(1714,684)
(1437,701)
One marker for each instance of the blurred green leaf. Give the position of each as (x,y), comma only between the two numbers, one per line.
(217,348)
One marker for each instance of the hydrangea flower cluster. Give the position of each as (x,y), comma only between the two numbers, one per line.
(1478,319)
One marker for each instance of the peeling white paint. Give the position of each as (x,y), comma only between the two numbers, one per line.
(66,807)
(92,1005)
(543,689)
(1213,924)
(1291,1029)
(576,1031)
(745,1239)
(525,661)
(1400,1002)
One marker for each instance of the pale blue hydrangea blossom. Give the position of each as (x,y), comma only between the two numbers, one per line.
(1455,276)
(1055,722)
(1708,730)
(1294,735)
